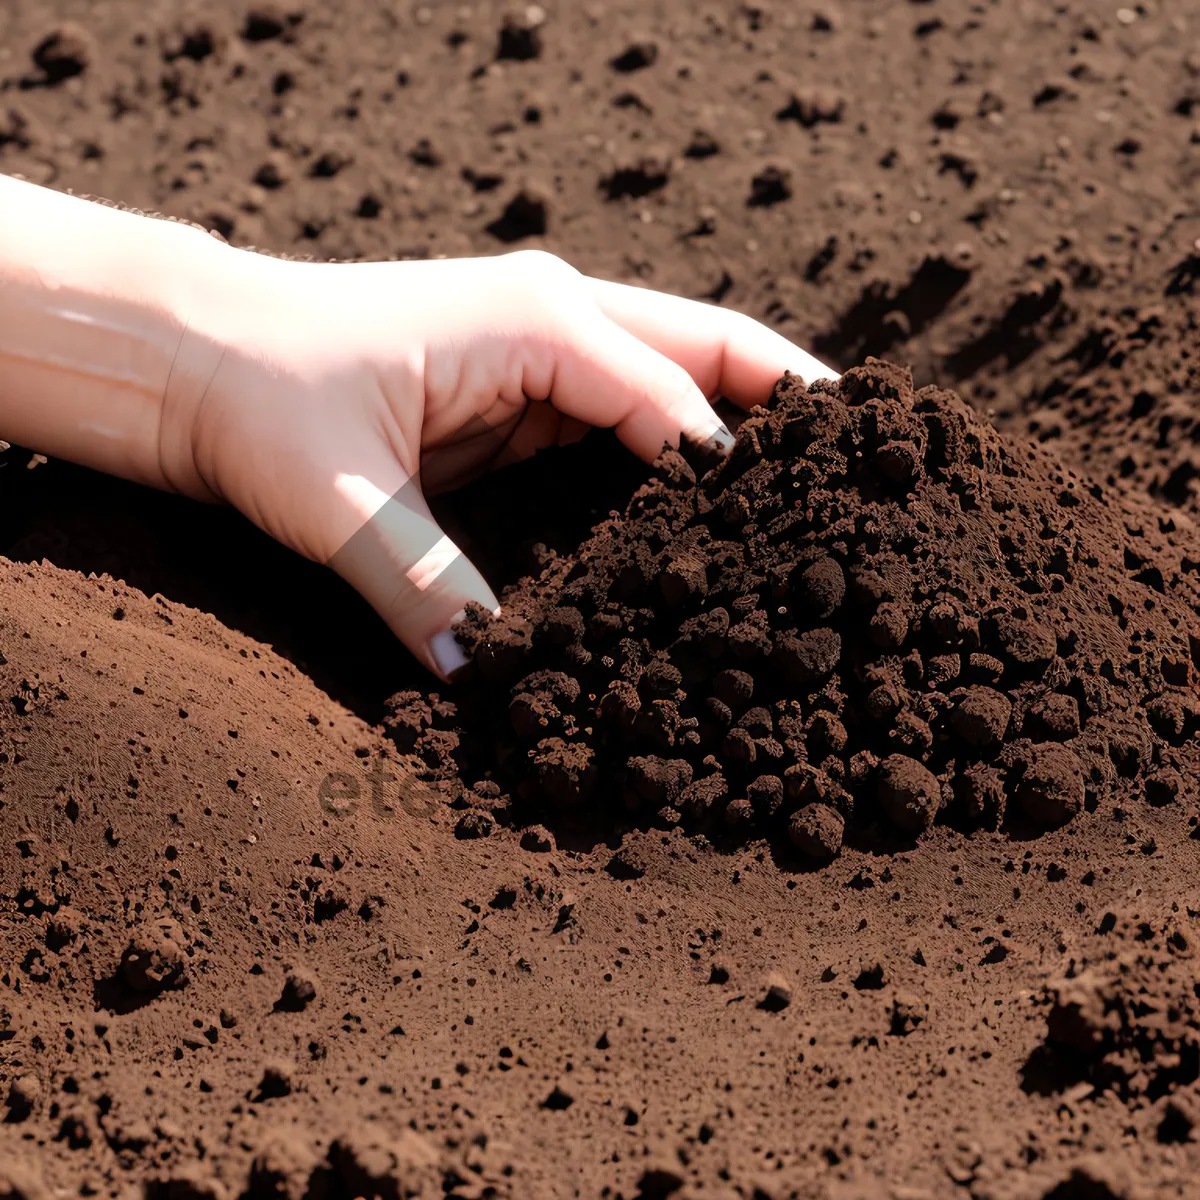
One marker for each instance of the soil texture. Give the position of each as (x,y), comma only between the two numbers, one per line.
(822,824)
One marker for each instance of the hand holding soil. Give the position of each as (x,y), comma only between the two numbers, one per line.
(324,400)
(363,386)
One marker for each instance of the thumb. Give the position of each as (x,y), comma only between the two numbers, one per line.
(404,565)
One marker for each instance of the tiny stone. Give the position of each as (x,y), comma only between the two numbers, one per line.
(778,994)
(816,830)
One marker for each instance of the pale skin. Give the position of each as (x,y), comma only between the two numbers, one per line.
(309,394)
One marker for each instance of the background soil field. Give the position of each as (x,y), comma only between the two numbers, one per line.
(216,981)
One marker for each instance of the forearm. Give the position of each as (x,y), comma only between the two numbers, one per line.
(93,305)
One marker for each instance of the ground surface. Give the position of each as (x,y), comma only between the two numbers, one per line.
(216,981)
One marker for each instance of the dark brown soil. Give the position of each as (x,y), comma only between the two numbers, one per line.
(909,910)
(876,605)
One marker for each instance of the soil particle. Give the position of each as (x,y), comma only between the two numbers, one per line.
(981,792)
(1054,717)
(809,656)
(772,185)
(299,991)
(821,587)
(1026,642)
(777,994)
(909,793)
(980,717)
(719,971)
(1164,786)
(156,957)
(908,1013)
(871,979)
(537,840)
(64,53)
(64,927)
(561,773)
(659,781)
(473,825)
(1109,1016)
(276,1082)
(23,1095)
(635,57)
(526,215)
(811,106)
(816,830)
(1051,789)
(520,39)
(888,626)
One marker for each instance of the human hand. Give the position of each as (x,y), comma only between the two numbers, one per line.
(327,400)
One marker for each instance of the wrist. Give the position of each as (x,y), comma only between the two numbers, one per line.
(218,295)
(94,305)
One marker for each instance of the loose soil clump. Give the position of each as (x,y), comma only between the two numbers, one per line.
(878,613)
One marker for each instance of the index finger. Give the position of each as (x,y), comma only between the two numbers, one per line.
(727,353)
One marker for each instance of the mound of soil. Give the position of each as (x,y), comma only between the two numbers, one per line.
(876,614)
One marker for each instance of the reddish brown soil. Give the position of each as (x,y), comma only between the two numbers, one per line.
(225,975)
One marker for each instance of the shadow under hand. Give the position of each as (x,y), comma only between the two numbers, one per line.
(213,559)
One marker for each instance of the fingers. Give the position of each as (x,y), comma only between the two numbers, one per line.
(409,571)
(605,375)
(725,352)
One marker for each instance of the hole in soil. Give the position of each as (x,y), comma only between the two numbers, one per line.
(1081,1185)
(114,995)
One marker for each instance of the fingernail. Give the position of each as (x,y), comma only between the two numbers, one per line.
(448,656)
(721,441)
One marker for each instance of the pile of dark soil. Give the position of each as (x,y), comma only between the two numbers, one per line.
(877,613)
